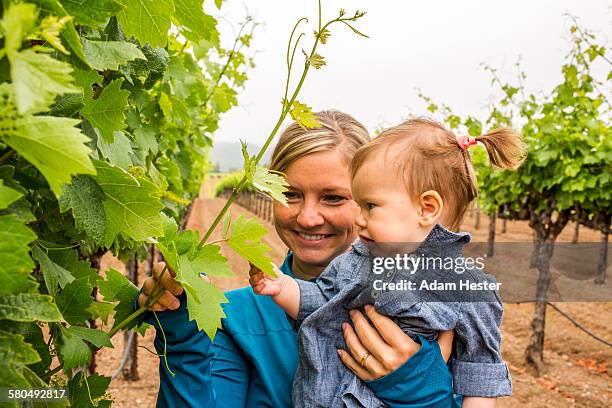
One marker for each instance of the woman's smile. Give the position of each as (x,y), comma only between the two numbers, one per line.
(312,238)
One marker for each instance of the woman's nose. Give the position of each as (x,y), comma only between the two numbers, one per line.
(310,216)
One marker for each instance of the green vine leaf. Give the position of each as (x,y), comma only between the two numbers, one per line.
(27,307)
(81,388)
(54,145)
(119,152)
(53,273)
(147,20)
(50,28)
(245,240)
(106,112)
(16,263)
(13,348)
(17,22)
(8,195)
(74,351)
(323,36)
(101,310)
(272,183)
(74,301)
(103,55)
(85,198)
(196,24)
(317,61)
(132,206)
(38,79)
(69,33)
(92,13)
(303,115)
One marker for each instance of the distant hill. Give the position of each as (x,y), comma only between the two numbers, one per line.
(228,155)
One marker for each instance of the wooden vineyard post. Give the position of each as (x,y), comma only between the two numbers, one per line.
(602,264)
(130,369)
(576,231)
(94,261)
(491,240)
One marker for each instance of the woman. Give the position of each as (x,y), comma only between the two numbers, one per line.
(254,356)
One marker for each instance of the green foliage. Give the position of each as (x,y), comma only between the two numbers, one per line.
(303,115)
(245,239)
(106,118)
(231,181)
(569,139)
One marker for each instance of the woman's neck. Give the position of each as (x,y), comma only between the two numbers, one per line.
(305,271)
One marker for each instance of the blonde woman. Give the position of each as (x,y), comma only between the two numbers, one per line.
(253,359)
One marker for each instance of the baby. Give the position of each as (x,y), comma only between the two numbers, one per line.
(413,184)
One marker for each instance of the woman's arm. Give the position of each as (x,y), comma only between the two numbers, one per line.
(401,372)
(201,369)
(189,356)
(388,344)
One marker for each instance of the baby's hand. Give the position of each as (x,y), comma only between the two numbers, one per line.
(263,284)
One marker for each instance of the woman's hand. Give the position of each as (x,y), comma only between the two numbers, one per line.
(374,353)
(168,300)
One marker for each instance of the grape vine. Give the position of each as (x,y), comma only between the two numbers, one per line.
(107,115)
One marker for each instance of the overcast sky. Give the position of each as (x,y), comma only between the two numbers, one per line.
(435,45)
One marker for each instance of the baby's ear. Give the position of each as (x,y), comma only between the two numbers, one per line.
(431,207)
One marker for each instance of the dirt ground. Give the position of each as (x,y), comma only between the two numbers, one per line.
(578,367)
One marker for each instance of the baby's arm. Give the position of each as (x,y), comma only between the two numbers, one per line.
(284,290)
(479,372)
(479,402)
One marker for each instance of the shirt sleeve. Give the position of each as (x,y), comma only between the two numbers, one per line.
(189,355)
(314,294)
(477,365)
(230,371)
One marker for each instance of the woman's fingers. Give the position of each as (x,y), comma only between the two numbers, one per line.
(167,279)
(256,278)
(166,301)
(391,333)
(350,362)
(368,336)
(253,270)
(358,350)
(445,341)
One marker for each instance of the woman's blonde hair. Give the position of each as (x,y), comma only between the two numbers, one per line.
(428,157)
(338,130)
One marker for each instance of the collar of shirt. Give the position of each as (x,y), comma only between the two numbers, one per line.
(439,242)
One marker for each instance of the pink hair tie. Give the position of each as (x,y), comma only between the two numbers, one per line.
(466,141)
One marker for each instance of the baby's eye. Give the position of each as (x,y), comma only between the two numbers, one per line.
(370,206)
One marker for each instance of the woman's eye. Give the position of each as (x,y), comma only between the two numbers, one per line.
(334,199)
(291,195)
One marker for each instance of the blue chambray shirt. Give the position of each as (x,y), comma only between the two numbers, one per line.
(347,283)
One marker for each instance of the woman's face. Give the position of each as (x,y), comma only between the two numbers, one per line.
(318,224)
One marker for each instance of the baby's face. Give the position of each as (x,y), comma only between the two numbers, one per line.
(388,215)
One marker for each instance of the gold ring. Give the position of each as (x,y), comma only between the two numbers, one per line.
(363,359)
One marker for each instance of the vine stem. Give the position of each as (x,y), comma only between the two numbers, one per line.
(229,59)
(159,290)
(6,156)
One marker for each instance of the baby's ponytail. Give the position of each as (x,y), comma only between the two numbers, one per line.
(505,148)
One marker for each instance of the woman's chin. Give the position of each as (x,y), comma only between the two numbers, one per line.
(319,252)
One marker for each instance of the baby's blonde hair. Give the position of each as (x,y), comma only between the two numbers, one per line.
(428,157)
(338,130)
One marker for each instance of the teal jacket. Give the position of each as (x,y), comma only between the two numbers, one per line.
(253,358)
